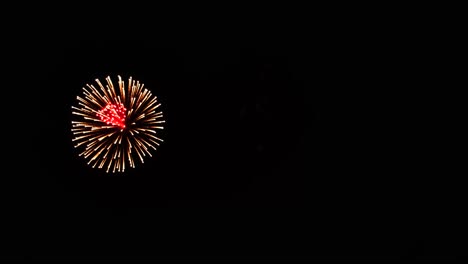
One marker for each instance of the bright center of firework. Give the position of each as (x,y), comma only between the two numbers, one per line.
(113,114)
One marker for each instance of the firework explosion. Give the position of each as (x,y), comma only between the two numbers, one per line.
(117,124)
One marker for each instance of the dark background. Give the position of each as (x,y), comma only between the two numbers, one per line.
(290,134)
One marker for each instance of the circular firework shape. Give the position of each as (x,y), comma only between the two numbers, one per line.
(114,126)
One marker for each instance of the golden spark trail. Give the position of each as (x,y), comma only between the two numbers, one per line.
(114,125)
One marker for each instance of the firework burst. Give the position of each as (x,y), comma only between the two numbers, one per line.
(117,125)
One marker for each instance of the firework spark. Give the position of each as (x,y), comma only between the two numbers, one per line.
(117,124)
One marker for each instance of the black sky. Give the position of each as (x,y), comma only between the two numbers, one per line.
(283,139)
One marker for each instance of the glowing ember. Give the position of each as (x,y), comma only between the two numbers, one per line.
(113,114)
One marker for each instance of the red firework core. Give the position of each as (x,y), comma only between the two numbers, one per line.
(113,114)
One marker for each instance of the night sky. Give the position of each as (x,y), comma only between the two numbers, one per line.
(282,141)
